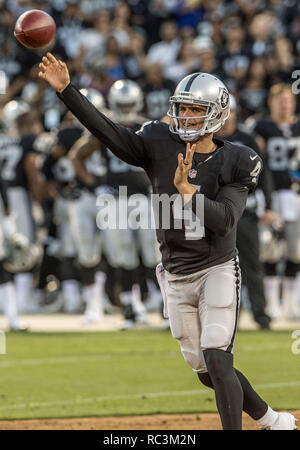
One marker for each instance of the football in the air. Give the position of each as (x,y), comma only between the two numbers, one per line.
(35,29)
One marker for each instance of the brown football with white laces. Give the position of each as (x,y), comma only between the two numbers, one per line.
(35,29)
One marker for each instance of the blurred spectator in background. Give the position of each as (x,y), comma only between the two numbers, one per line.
(286,61)
(135,57)
(119,38)
(186,62)
(157,91)
(69,28)
(121,26)
(234,57)
(114,58)
(254,93)
(206,55)
(247,9)
(165,52)
(93,37)
(263,28)
(188,13)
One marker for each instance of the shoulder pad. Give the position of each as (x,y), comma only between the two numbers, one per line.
(249,167)
(145,127)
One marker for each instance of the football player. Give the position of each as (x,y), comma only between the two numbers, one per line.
(7,287)
(75,219)
(210,180)
(90,176)
(123,247)
(60,175)
(280,133)
(247,230)
(19,170)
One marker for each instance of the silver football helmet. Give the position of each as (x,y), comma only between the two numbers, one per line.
(20,254)
(95,97)
(12,110)
(45,142)
(30,92)
(125,101)
(199,89)
(272,244)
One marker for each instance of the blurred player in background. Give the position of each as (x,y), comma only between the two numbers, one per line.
(74,216)
(19,170)
(58,170)
(7,287)
(281,137)
(90,177)
(247,230)
(126,248)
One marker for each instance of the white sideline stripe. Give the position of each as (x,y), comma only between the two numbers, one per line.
(77,359)
(81,358)
(143,396)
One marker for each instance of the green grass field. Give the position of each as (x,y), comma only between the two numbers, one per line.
(47,375)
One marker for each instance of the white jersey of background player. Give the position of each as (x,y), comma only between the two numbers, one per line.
(123,247)
(280,133)
(8,298)
(19,162)
(82,214)
(58,170)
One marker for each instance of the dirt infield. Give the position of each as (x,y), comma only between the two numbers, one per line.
(152,422)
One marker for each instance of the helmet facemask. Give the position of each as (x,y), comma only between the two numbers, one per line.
(188,134)
(199,89)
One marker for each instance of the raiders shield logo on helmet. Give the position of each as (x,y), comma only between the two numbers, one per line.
(224,98)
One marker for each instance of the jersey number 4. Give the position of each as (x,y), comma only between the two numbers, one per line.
(255,172)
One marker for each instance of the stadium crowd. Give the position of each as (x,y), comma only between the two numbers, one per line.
(52,171)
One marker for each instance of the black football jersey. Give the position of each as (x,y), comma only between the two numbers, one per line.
(239,136)
(222,180)
(61,170)
(120,173)
(282,148)
(13,152)
(96,165)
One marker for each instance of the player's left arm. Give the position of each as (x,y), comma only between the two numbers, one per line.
(231,199)
(222,214)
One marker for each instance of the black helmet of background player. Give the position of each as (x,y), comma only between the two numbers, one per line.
(201,89)
(125,100)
